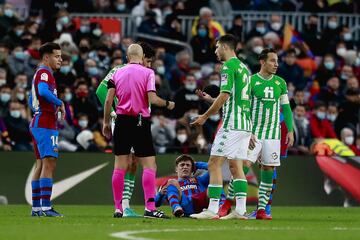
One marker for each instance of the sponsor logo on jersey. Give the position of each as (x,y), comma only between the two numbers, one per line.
(274,155)
(188,187)
(257,83)
(44,77)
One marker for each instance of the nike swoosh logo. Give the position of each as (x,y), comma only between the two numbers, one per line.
(64,185)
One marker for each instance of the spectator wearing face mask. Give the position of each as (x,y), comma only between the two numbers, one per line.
(206,16)
(203,47)
(259,30)
(85,136)
(276,24)
(347,137)
(291,71)
(302,130)
(8,18)
(330,35)
(332,112)
(347,37)
(120,6)
(319,125)
(163,132)
(66,75)
(185,97)
(190,115)
(326,70)
(19,62)
(66,95)
(349,109)
(82,103)
(252,52)
(331,92)
(180,70)
(237,28)
(345,74)
(3,75)
(181,143)
(311,35)
(101,57)
(5,97)
(18,128)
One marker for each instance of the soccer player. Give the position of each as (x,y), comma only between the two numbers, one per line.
(43,128)
(101,92)
(232,140)
(134,86)
(187,194)
(268,96)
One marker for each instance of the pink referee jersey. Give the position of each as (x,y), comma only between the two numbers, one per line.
(132,83)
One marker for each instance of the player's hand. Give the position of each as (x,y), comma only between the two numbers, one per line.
(252,142)
(107,130)
(171,105)
(113,116)
(204,96)
(201,119)
(62,111)
(163,190)
(289,139)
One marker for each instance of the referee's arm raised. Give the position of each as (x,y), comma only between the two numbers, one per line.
(155,100)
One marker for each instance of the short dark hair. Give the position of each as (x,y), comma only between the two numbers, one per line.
(229,40)
(319,104)
(290,51)
(148,51)
(48,48)
(264,53)
(184,158)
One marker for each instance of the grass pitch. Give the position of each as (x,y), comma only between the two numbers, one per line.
(96,222)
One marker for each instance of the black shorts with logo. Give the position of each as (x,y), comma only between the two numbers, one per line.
(129,133)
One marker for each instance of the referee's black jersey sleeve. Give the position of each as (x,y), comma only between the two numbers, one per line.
(110,84)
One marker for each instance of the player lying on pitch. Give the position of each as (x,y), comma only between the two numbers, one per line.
(187,194)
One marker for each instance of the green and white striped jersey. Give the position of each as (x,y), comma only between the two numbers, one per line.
(235,81)
(267,96)
(111,73)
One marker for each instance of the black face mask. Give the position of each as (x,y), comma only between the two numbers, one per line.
(313,27)
(84,49)
(101,57)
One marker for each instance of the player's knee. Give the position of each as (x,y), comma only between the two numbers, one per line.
(267,168)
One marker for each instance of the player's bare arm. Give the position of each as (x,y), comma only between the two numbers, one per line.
(214,108)
(155,100)
(204,96)
(107,109)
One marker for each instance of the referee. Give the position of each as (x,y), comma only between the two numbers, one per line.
(134,86)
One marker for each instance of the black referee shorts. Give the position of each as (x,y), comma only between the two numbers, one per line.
(128,134)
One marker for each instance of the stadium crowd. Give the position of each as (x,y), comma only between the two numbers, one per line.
(322,69)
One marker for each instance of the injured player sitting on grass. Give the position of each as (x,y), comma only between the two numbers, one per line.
(187,194)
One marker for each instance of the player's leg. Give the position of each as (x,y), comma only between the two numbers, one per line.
(145,152)
(35,187)
(173,195)
(268,206)
(122,146)
(270,159)
(35,181)
(46,140)
(118,179)
(129,186)
(214,189)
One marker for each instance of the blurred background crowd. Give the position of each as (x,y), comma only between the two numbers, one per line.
(321,68)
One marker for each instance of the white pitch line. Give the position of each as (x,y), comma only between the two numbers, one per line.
(129,235)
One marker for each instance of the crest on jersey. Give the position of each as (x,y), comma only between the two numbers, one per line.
(277,82)
(44,77)
(224,79)
(257,83)
(225,68)
(274,155)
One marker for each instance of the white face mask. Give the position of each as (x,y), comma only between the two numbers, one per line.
(257,49)
(215,82)
(181,138)
(190,86)
(160,70)
(215,117)
(20,96)
(15,113)
(5,97)
(2,82)
(192,116)
(198,75)
(68,97)
(331,117)
(341,51)
(332,24)
(276,26)
(83,123)
(201,141)
(347,36)
(321,115)
(349,140)
(357,62)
